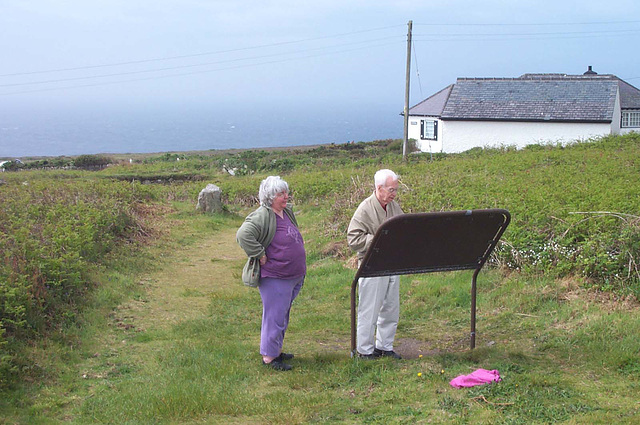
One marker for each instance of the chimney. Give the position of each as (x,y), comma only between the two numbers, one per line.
(590,71)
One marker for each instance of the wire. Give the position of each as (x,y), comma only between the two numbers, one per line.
(190,73)
(531,25)
(417,70)
(60,80)
(215,52)
(457,37)
(571,33)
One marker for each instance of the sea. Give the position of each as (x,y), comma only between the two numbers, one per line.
(52,131)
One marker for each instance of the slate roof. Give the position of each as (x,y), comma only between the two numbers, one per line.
(629,95)
(531,97)
(433,105)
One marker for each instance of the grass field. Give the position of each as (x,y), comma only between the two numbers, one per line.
(170,335)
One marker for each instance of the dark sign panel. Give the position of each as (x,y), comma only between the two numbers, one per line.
(432,242)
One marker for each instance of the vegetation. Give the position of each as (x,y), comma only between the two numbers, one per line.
(120,303)
(91,161)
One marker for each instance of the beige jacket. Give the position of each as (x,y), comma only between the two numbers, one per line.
(365,222)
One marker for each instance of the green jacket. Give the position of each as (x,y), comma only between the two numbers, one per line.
(258,230)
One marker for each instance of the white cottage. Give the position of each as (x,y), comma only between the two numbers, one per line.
(532,108)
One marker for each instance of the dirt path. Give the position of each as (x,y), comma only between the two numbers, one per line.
(182,289)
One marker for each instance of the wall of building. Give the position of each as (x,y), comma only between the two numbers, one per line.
(459,136)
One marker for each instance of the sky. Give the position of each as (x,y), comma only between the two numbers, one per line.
(300,54)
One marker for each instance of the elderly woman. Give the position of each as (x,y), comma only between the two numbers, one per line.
(271,235)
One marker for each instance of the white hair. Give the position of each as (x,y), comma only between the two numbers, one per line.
(269,188)
(381,176)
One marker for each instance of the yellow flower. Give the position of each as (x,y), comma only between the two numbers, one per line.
(419,374)
(420,356)
(442,371)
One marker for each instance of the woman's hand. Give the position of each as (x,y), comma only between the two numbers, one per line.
(263,260)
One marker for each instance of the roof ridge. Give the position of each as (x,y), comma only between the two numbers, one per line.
(542,76)
(486,78)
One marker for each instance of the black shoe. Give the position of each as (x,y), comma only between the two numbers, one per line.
(371,356)
(277,364)
(284,356)
(391,353)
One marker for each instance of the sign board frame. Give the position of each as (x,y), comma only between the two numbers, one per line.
(432,242)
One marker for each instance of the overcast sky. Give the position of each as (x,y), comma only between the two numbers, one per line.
(61,52)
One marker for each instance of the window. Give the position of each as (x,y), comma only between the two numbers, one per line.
(429,130)
(631,119)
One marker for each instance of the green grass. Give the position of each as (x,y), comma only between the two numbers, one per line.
(168,334)
(562,359)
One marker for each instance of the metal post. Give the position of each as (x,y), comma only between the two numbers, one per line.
(473,308)
(353,313)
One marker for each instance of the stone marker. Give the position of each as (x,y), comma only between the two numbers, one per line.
(210,199)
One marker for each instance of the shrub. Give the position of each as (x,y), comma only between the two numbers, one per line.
(51,232)
(91,161)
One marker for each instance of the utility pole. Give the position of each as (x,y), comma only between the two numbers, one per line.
(405,142)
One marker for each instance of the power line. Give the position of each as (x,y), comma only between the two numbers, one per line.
(118,74)
(415,58)
(530,25)
(215,52)
(456,37)
(189,73)
(570,33)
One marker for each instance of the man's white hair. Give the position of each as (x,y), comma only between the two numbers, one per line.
(381,176)
(269,188)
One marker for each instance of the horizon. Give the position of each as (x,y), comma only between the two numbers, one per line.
(169,128)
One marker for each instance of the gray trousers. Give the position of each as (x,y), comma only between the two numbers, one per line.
(378,313)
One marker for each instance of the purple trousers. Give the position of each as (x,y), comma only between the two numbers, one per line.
(277,296)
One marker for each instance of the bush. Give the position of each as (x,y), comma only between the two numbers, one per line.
(91,161)
(51,232)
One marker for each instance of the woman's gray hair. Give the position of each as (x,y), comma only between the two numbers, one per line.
(381,176)
(269,188)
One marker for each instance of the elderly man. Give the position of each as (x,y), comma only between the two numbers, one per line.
(378,297)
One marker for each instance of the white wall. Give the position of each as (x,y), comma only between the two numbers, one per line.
(458,136)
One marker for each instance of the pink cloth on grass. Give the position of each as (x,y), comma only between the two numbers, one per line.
(479,377)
